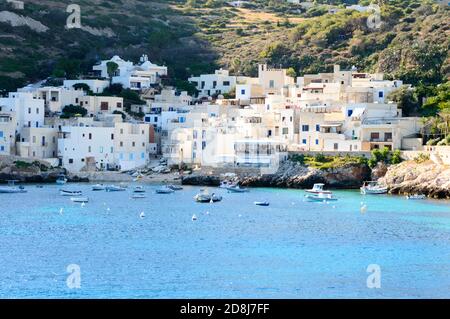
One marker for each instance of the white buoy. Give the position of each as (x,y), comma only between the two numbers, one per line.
(194,217)
(207,213)
(142,215)
(61,210)
(83,204)
(108,209)
(363,209)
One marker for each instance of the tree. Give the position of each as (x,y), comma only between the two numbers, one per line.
(405,99)
(83,86)
(291,72)
(111,68)
(73,110)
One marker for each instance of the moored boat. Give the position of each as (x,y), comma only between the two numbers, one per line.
(236,189)
(65,192)
(114,188)
(207,198)
(175,187)
(139,189)
(164,190)
(265,203)
(416,196)
(138,196)
(12,188)
(373,188)
(317,189)
(61,180)
(226,184)
(80,199)
(98,187)
(320,197)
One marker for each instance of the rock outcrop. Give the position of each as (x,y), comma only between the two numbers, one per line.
(426,178)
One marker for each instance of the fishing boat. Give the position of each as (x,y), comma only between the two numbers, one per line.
(373,188)
(64,192)
(138,196)
(236,189)
(164,190)
(320,197)
(207,198)
(12,188)
(265,203)
(114,188)
(98,187)
(79,199)
(416,196)
(175,187)
(61,180)
(139,189)
(318,189)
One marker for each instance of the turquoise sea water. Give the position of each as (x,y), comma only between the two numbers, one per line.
(291,249)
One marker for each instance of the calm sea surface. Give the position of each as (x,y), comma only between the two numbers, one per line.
(292,249)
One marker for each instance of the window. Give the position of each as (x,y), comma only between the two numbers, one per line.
(317,141)
(1,134)
(305,128)
(37,110)
(119,105)
(335,146)
(34,139)
(147,119)
(89,149)
(29,110)
(112,149)
(112,136)
(271,84)
(285,130)
(226,83)
(194,145)
(203,145)
(243,92)
(269,133)
(133,144)
(203,134)
(121,144)
(70,160)
(142,155)
(90,136)
(121,156)
(2,148)
(53,140)
(380,94)
(349,113)
(143,132)
(374,136)
(388,136)
(29,123)
(104,106)
(214,84)
(131,156)
(121,131)
(304,141)
(317,128)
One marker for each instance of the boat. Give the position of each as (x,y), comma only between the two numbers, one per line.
(320,197)
(266,203)
(318,189)
(236,189)
(207,198)
(61,180)
(98,187)
(114,188)
(373,188)
(416,196)
(79,199)
(64,192)
(138,196)
(139,189)
(12,188)
(164,190)
(226,184)
(175,187)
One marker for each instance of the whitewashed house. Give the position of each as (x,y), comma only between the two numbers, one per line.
(214,84)
(8,126)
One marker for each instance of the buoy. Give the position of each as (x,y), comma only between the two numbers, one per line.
(194,217)
(108,209)
(83,204)
(363,209)
(207,213)
(61,210)
(142,215)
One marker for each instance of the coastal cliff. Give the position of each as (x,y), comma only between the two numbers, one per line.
(426,178)
(27,171)
(292,175)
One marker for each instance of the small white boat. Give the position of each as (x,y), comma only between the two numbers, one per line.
(12,188)
(318,189)
(61,180)
(236,189)
(138,196)
(265,203)
(139,189)
(373,188)
(207,198)
(164,190)
(320,197)
(416,196)
(64,192)
(114,188)
(226,184)
(175,187)
(79,199)
(98,187)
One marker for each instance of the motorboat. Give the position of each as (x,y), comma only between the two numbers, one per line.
(61,180)
(373,188)
(321,197)
(79,199)
(236,189)
(207,198)
(139,189)
(265,203)
(64,192)
(138,196)
(164,190)
(318,189)
(12,188)
(175,187)
(416,196)
(226,184)
(114,188)
(98,187)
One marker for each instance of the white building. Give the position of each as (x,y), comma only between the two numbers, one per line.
(38,142)
(214,84)
(95,85)
(8,126)
(135,77)
(96,105)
